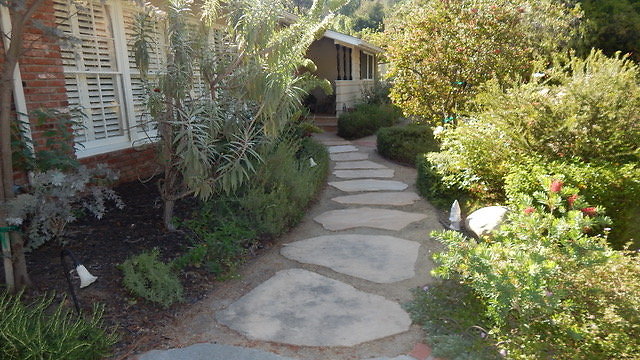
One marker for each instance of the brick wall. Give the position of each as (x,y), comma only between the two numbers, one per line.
(44,88)
(132,164)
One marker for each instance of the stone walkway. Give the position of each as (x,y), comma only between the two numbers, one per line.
(334,291)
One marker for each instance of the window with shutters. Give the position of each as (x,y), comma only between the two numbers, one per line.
(100,73)
(143,126)
(101,76)
(92,75)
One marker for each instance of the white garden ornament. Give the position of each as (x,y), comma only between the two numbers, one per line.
(455,216)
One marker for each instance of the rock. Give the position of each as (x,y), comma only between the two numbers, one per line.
(486,219)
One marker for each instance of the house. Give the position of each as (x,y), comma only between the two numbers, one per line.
(349,63)
(97,73)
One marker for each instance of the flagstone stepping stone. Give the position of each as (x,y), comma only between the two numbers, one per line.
(377,258)
(206,351)
(385,219)
(299,307)
(369,185)
(342,149)
(365,173)
(379,198)
(349,156)
(365,164)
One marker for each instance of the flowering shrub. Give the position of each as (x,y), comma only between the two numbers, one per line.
(440,51)
(616,187)
(551,286)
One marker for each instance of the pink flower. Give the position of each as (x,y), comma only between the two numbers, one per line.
(572,199)
(529,210)
(589,211)
(474,10)
(556,186)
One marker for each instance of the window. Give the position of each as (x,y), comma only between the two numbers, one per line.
(101,76)
(367,66)
(100,73)
(343,55)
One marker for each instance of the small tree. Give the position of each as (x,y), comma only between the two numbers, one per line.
(439,51)
(21,17)
(254,85)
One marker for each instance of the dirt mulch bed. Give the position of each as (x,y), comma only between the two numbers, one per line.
(103,244)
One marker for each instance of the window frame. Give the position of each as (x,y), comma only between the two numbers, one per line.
(369,73)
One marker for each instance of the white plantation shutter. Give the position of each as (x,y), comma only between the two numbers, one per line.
(101,76)
(92,76)
(142,123)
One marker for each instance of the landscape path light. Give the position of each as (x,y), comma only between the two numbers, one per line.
(86,278)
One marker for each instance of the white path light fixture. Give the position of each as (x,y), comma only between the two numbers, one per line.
(455,216)
(86,278)
(312,163)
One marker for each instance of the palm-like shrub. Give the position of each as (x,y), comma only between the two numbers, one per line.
(253,79)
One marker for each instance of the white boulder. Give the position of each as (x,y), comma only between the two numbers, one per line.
(486,219)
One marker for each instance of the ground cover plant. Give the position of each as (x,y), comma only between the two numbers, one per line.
(146,276)
(404,143)
(41,330)
(544,282)
(366,119)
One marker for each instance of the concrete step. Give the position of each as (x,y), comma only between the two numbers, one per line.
(326,123)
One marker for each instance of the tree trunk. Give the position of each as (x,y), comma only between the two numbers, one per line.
(6,167)
(168,215)
(20,273)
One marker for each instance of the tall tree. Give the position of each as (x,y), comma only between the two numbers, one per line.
(613,25)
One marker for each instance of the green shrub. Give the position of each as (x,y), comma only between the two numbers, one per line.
(453,318)
(588,110)
(613,25)
(149,278)
(440,51)
(432,187)
(284,185)
(551,286)
(366,119)
(404,144)
(221,250)
(615,187)
(33,331)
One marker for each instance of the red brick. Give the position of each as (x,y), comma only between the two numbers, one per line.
(420,351)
